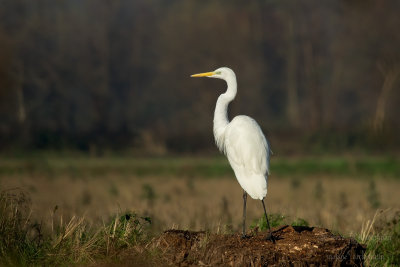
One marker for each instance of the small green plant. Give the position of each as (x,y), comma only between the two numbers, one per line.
(277,220)
(126,230)
(274,220)
(299,222)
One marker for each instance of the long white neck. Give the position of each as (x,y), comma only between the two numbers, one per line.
(221,112)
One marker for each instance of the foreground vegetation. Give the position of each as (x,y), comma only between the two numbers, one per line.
(27,243)
(76,242)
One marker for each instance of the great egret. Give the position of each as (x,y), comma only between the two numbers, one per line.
(244,144)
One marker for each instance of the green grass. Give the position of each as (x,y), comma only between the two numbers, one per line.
(382,241)
(195,166)
(384,249)
(75,242)
(277,220)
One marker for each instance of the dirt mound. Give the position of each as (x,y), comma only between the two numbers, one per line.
(295,246)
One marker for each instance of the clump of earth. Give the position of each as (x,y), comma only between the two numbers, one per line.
(294,246)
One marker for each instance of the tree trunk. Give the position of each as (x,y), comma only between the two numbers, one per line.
(390,76)
(312,86)
(21,111)
(292,108)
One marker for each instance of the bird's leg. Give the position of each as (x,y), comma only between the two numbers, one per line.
(270,236)
(244,214)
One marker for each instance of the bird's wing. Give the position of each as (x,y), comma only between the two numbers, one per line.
(246,145)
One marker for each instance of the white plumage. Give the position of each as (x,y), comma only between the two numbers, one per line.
(248,153)
(243,142)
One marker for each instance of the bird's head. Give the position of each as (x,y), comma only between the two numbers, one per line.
(222,73)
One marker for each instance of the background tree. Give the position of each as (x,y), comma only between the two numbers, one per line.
(96,75)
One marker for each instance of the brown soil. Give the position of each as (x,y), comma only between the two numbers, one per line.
(295,246)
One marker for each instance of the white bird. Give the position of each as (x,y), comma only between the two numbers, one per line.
(243,142)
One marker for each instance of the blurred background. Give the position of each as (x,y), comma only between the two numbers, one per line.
(98,112)
(98,76)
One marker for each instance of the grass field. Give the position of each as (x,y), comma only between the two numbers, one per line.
(201,193)
(215,166)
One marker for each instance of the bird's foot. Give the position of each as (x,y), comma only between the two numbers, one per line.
(244,236)
(271,238)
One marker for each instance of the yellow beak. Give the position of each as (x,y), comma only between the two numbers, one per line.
(205,74)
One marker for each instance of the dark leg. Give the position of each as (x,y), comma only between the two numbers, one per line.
(244,213)
(270,236)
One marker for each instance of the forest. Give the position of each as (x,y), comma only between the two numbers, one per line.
(115,75)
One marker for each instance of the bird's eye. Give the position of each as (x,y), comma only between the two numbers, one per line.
(218,72)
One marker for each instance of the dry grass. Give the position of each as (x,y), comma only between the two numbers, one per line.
(198,203)
(24,242)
